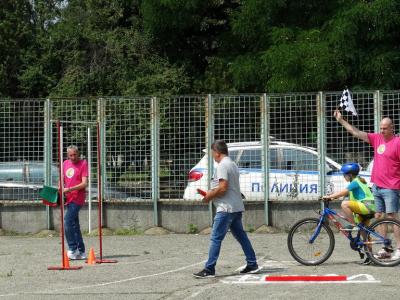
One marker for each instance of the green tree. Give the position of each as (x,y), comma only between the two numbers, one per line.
(165,47)
(16,37)
(187,32)
(364,37)
(88,48)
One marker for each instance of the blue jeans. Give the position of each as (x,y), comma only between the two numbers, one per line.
(222,222)
(72,228)
(386,200)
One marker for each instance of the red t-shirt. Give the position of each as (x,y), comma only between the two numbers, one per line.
(73,174)
(386,169)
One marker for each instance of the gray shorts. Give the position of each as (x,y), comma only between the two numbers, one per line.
(386,200)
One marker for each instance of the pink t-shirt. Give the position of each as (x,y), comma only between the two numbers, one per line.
(386,169)
(73,174)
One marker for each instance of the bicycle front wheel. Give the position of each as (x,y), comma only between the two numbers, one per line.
(305,251)
(383,242)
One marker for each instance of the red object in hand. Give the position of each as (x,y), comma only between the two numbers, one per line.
(201,192)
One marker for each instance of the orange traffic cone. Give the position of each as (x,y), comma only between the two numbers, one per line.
(92,258)
(66,260)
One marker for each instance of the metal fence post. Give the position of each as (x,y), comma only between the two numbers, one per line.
(209,140)
(321,141)
(155,155)
(265,152)
(47,154)
(378,110)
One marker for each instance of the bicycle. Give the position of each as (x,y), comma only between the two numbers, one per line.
(311,240)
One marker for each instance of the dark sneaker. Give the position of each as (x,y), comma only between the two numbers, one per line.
(366,262)
(204,274)
(249,270)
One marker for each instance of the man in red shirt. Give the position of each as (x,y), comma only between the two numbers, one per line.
(75,183)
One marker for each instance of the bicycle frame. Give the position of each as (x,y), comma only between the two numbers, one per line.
(358,243)
(311,240)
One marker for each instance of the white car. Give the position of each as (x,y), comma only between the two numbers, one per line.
(293,172)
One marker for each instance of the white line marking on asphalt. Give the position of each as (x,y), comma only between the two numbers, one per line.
(106,283)
(199,292)
(132,262)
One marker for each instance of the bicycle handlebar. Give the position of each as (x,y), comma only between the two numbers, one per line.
(325,201)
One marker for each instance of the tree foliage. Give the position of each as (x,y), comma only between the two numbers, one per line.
(158,47)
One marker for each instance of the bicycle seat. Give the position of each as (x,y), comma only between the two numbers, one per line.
(368,216)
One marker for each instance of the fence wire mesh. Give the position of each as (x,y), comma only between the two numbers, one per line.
(181,139)
(128,147)
(170,135)
(21,148)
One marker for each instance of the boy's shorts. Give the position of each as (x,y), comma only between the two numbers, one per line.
(360,209)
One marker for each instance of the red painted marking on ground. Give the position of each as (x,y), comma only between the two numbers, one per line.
(306,278)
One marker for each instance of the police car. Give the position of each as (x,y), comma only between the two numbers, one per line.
(293,172)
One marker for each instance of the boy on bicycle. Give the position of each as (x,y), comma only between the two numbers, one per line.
(361,200)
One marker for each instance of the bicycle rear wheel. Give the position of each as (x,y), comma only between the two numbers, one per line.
(305,252)
(382,251)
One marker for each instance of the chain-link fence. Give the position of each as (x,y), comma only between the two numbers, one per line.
(155,149)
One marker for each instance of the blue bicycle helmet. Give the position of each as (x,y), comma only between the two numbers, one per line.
(350,168)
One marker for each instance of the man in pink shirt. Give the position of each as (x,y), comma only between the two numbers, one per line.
(385,172)
(75,183)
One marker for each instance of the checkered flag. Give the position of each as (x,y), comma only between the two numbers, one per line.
(347,103)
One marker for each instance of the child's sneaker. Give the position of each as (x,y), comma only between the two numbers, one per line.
(73,255)
(249,269)
(205,273)
(366,262)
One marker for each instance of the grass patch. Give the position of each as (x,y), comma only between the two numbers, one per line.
(127,231)
(4,232)
(192,228)
(250,228)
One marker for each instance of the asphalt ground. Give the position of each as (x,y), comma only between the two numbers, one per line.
(161,267)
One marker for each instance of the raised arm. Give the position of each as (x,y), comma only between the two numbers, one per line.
(350,128)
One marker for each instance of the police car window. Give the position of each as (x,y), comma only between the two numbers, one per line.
(9,173)
(329,167)
(250,158)
(233,155)
(36,174)
(294,159)
(273,159)
(54,175)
